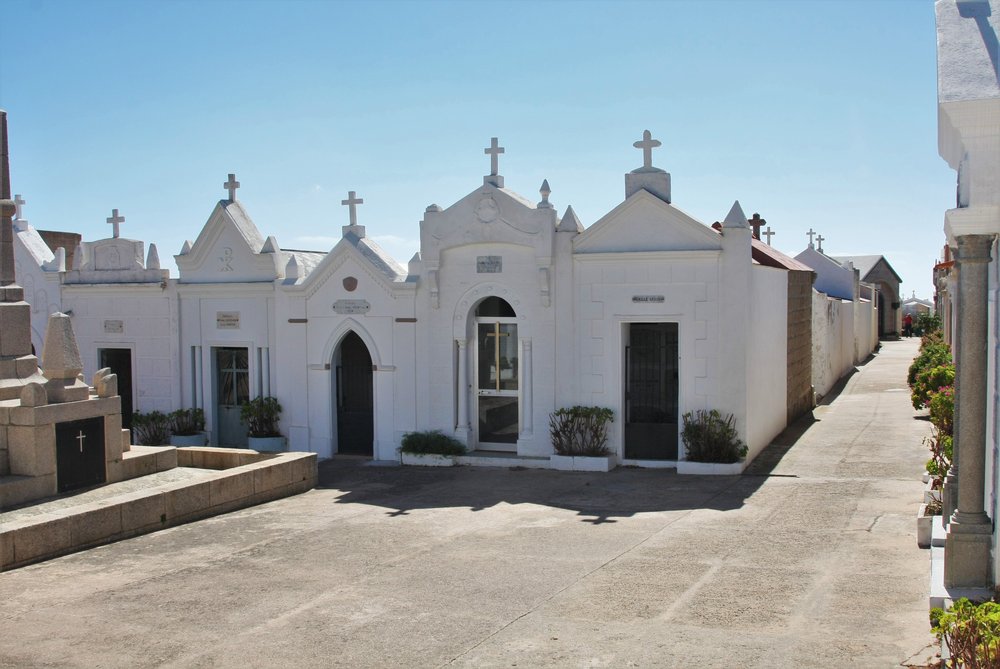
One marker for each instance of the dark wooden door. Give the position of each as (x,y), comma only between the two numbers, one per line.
(120,362)
(355,414)
(651,392)
(80,457)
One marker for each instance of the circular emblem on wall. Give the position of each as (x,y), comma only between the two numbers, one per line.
(487,210)
(350,283)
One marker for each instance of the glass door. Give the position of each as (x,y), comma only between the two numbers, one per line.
(497,383)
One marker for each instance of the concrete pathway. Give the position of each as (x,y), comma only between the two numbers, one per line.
(807,560)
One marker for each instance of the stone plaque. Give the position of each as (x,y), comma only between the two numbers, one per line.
(351,306)
(227,320)
(80,453)
(489,264)
(114,327)
(648,298)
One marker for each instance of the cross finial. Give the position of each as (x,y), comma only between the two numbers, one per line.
(352,202)
(819,243)
(647,144)
(756,222)
(768,233)
(115,220)
(494,152)
(231,186)
(810,233)
(19,202)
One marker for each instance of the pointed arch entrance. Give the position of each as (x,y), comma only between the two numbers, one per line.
(497,372)
(353,396)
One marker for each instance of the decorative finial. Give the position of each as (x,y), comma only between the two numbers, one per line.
(819,243)
(19,203)
(352,203)
(647,144)
(769,233)
(545,191)
(116,220)
(756,222)
(231,186)
(811,233)
(494,152)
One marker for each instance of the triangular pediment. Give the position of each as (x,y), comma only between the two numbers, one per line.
(228,250)
(361,253)
(643,223)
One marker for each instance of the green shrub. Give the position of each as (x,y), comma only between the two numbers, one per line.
(151,429)
(580,430)
(942,406)
(187,422)
(933,352)
(434,441)
(711,438)
(941,446)
(972,632)
(930,380)
(928,324)
(261,415)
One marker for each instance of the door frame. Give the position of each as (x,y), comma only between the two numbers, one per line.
(98,345)
(336,360)
(212,410)
(333,342)
(477,393)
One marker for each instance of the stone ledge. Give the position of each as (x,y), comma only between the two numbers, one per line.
(63,531)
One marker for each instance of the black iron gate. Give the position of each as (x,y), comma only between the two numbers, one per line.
(355,414)
(651,392)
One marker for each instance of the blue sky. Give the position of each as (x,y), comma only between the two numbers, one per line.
(815,114)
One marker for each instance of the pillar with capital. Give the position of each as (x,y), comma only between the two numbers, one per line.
(967,545)
(462,388)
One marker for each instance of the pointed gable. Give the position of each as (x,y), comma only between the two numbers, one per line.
(644,222)
(229,249)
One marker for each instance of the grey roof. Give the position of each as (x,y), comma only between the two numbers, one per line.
(244,224)
(377,257)
(307,260)
(865,264)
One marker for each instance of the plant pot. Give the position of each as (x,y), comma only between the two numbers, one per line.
(427,459)
(582,463)
(199,439)
(710,468)
(930,494)
(266,444)
(924,527)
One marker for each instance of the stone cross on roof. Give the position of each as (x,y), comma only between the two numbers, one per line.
(352,202)
(768,233)
(494,152)
(647,144)
(230,186)
(756,222)
(810,233)
(819,243)
(19,202)
(115,220)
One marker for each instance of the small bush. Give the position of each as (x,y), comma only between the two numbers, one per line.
(929,381)
(261,415)
(711,438)
(928,324)
(941,446)
(580,430)
(933,353)
(151,429)
(187,422)
(434,441)
(942,406)
(972,632)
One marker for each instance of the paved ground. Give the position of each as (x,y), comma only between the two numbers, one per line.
(808,560)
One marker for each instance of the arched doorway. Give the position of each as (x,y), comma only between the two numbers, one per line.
(354,399)
(497,375)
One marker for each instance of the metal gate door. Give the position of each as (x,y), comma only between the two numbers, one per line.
(355,405)
(651,392)
(232,390)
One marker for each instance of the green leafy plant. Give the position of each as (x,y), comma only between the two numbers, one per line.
(933,352)
(941,446)
(261,415)
(187,422)
(928,324)
(580,430)
(942,406)
(431,442)
(972,632)
(710,437)
(151,429)
(929,381)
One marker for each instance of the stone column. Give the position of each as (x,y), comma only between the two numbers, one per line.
(949,491)
(527,418)
(967,546)
(462,388)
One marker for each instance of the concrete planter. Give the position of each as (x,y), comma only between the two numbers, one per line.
(924,526)
(426,459)
(199,439)
(710,468)
(582,463)
(266,444)
(931,495)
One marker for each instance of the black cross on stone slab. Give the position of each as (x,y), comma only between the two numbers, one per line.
(80,457)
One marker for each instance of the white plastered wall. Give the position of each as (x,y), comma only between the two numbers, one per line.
(767,342)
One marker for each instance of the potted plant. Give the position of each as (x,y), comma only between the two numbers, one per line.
(187,428)
(430,449)
(712,443)
(151,429)
(261,416)
(580,439)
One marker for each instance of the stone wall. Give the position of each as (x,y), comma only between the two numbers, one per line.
(800,344)
(833,341)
